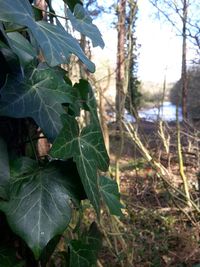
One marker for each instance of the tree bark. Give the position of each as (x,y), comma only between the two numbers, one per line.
(120,71)
(184,76)
(43,145)
(120,84)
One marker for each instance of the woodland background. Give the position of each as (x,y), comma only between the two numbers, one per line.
(154,161)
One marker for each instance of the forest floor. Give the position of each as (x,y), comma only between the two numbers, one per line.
(158,228)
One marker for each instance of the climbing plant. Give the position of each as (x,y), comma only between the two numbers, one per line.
(40,194)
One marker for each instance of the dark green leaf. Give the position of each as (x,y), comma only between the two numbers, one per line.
(39,206)
(37,13)
(110,194)
(94,237)
(88,150)
(82,22)
(3,37)
(19,12)
(22,47)
(80,98)
(39,96)
(87,98)
(81,254)
(58,45)
(8,258)
(46,256)
(55,42)
(12,62)
(71,3)
(4,169)
(3,45)
(74,185)
(22,166)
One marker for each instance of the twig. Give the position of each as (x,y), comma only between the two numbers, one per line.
(50,13)
(162,172)
(181,165)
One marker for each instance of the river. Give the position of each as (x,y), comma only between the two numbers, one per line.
(166,112)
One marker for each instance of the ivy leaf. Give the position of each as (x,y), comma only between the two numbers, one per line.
(22,47)
(81,254)
(110,194)
(75,187)
(72,3)
(87,98)
(40,96)
(11,63)
(84,252)
(94,237)
(19,12)
(39,206)
(82,22)
(8,258)
(4,169)
(57,45)
(87,149)
(80,97)
(21,166)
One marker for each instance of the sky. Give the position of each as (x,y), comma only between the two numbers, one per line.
(160,47)
(160,51)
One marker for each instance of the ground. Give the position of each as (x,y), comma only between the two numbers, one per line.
(158,228)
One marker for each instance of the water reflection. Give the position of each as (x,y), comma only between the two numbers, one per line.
(166,112)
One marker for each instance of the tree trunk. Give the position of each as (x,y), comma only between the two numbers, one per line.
(184,77)
(43,6)
(120,84)
(120,71)
(131,64)
(43,145)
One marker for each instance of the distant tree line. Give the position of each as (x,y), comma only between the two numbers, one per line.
(193,101)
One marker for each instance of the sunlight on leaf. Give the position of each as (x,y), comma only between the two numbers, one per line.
(57,45)
(82,22)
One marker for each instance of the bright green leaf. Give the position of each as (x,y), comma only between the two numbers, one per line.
(88,150)
(110,194)
(82,22)
(39,96)
(39,206)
